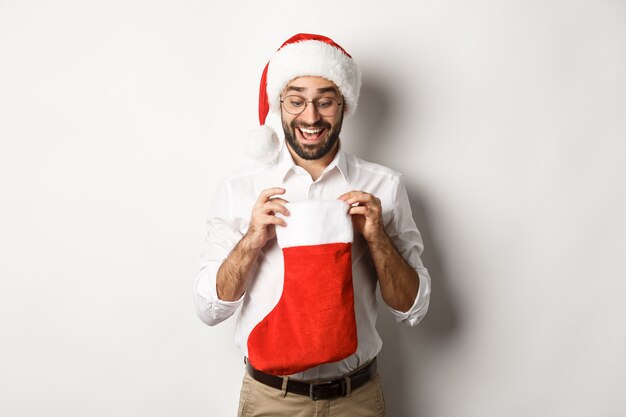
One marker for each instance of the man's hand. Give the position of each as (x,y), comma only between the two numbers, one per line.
(367,214)
(399,283)
(263,219)
(233,275)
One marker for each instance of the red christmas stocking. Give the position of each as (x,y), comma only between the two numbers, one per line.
(313,322)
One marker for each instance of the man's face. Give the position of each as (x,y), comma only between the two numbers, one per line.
(309,134)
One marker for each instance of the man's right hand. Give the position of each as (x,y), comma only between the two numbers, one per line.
(234,274)
(264,220)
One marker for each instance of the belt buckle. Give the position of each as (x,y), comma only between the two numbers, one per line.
(315,395)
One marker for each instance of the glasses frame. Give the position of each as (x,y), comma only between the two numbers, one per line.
(314,102)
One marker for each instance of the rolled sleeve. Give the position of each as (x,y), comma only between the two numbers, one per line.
(221,237)
(408,242)
(209,307)
(420,307)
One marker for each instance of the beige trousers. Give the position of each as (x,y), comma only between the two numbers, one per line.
(259,400)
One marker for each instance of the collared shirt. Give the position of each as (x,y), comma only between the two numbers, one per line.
(228,220)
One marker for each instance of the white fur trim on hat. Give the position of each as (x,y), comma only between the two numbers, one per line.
(313,58)
(263,144)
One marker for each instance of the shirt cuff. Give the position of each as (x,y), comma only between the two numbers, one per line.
(210,308)
(420,306)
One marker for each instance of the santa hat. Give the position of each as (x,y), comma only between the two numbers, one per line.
(301,55)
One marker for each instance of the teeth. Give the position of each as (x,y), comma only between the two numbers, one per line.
(310,131)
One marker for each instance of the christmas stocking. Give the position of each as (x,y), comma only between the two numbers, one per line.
(313,322)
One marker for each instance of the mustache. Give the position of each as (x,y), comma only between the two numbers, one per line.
(316,125)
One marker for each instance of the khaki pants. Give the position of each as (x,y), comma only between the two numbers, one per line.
(257,400)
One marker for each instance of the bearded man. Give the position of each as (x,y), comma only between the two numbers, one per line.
(300,241)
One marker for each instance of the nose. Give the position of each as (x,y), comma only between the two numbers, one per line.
(310,114)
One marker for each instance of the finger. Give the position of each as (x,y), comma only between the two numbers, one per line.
(277,221)
(359,198)
(279,200)
(346,196)
(267,193)
(367,211)
(275,207)
(362,210)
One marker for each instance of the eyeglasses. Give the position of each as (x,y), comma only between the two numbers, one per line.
(325,106)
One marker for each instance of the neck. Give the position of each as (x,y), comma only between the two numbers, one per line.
(314,167)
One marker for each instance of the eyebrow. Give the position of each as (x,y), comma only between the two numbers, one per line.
(322,90)
(332,89)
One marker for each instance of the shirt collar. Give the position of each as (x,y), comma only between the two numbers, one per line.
(340,162)
(286,163)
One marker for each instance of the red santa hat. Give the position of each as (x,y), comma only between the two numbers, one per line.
(301,55)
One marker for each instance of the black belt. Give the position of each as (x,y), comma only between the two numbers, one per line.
(318,390)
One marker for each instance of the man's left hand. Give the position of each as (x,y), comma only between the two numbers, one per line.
(366,212)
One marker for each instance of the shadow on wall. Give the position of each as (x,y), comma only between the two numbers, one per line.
(403,347)
(370,120)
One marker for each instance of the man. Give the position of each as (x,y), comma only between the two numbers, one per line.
(312,83)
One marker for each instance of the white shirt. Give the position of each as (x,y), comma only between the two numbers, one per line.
(227,222)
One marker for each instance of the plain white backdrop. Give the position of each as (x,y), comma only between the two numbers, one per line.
(508,119)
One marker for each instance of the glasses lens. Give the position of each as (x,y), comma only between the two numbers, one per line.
(294,104)
(326,106)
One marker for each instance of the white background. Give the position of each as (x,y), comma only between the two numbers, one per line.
(508,119)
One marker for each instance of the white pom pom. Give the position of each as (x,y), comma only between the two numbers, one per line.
(263,144)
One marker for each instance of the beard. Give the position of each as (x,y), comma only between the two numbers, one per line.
(316,151)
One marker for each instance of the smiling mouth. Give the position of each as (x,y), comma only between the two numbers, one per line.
(310,135)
